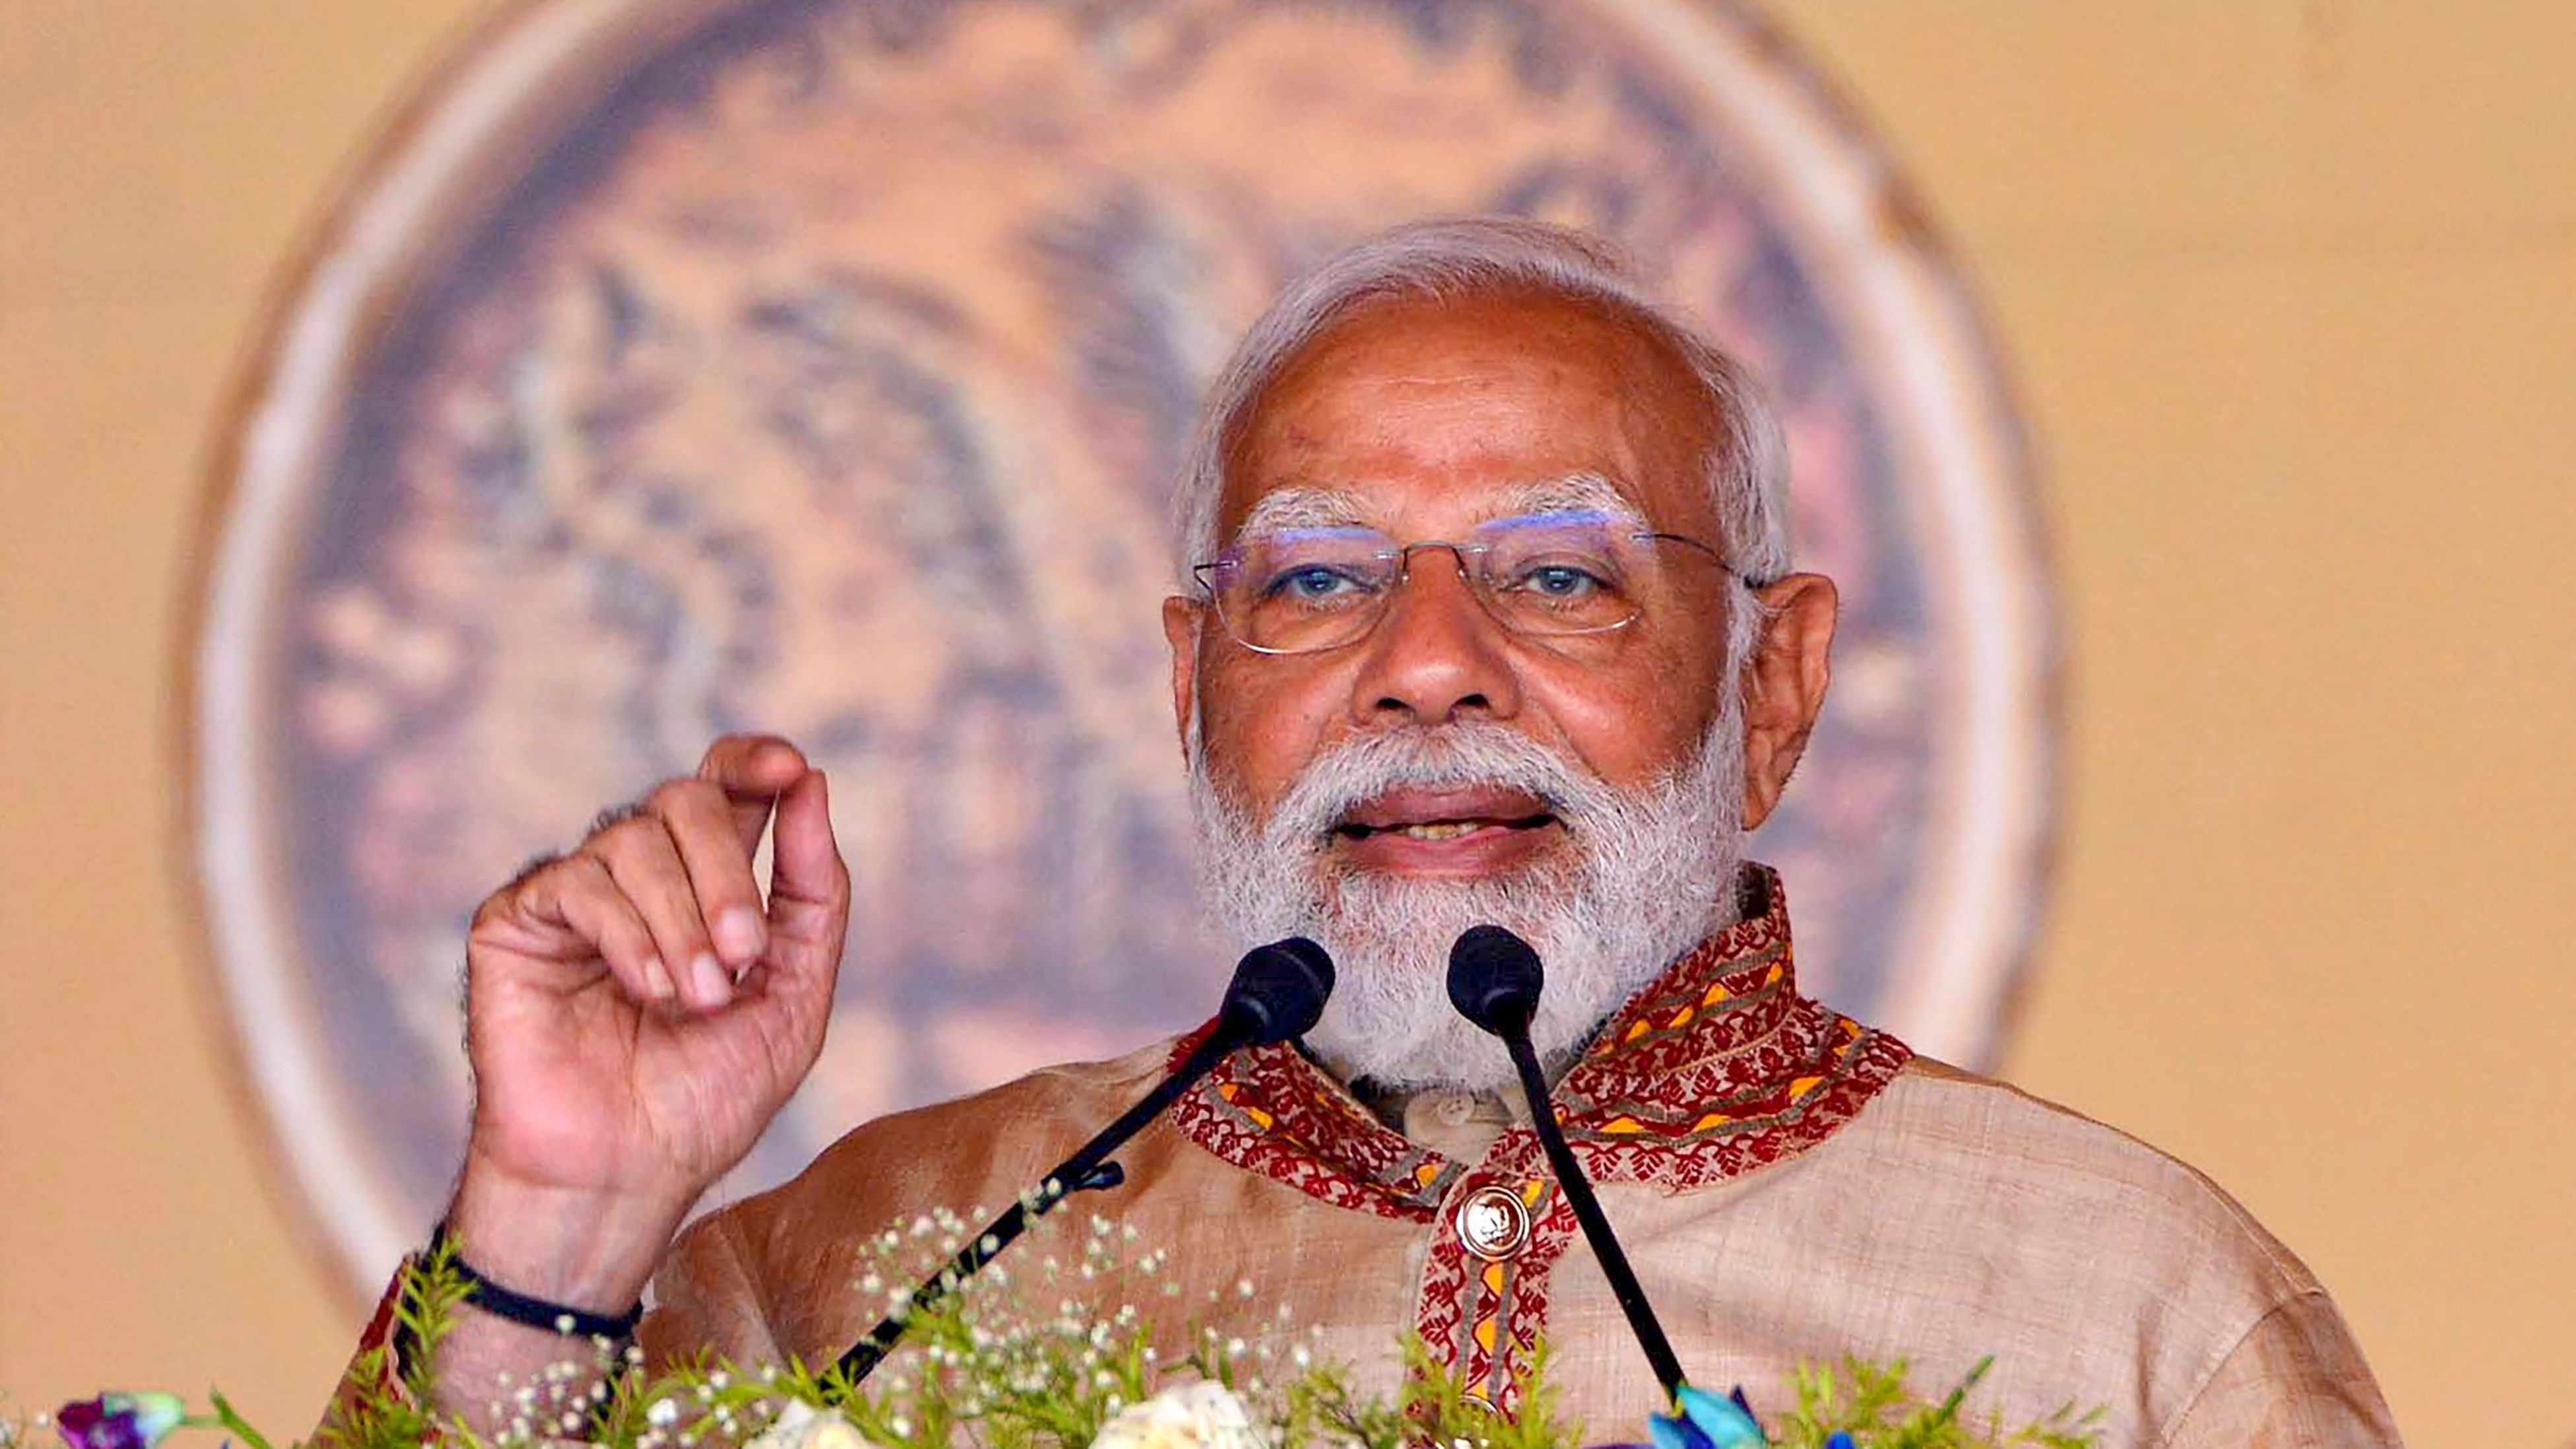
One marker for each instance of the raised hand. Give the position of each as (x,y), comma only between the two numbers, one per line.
(636,1014)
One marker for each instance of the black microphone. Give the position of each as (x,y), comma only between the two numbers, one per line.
(1278,992)
(1494,981)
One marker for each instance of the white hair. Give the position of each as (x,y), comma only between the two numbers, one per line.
(1473,256)
(1651,872)
(1651,869)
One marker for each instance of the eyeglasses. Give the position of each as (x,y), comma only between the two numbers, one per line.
(1546,575)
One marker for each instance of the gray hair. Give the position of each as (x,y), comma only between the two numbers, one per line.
(1437,260)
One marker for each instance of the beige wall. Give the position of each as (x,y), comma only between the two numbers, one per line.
(2291,288)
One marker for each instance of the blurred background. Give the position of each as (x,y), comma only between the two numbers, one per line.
(2286,294)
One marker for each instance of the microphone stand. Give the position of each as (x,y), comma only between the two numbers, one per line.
(1088,1169)
(1587,1209)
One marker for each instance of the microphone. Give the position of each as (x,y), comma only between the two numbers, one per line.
(1494,981)
(1278,992)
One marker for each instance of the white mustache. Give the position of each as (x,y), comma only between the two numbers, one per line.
(1646,873)
(1451,756)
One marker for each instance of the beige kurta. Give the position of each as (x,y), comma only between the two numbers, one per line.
(1790,1185)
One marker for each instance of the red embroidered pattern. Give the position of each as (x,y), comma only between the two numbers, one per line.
(1476,1313)
(1268,1110)
(1716,1069)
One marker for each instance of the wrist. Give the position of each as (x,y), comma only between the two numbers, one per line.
(591,1249)
(543,1314)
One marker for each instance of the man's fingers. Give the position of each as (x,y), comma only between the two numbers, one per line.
(642,859)
(578,896)
(751,770)
(806,863)
(809,906)
(664,891)
(701,824)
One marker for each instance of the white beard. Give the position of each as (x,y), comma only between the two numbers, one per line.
(1644,877)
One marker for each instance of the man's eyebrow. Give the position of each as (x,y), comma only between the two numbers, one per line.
(1307,506)
(1298,507)
(1574,492)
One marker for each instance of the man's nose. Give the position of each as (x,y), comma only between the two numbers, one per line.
(1436,654)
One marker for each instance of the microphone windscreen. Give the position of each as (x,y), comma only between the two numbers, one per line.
(1494,979)
(1279,990)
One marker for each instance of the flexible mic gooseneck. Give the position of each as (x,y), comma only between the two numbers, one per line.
(1494,981)
(1278,992)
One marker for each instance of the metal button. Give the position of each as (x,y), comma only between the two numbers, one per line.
(1492,1223)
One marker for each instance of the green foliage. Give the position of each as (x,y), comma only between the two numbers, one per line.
(426,1302)
(1871,1402)
(232,1421)
(975,1370)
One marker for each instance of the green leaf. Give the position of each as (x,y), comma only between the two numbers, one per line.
(231,1419)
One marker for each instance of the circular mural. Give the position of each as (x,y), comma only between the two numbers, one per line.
(819,366)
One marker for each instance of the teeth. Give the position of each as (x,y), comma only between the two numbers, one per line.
(1438,830)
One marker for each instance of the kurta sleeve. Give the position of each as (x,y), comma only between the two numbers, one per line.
(2296,1380)
(708,1299)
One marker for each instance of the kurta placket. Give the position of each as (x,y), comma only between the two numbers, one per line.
(1717,1069)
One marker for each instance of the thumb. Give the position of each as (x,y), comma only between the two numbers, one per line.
(806,869)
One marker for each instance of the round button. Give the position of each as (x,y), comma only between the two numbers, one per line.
(1492,1223)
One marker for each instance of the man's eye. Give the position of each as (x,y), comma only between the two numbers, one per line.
(1559,581)
(1312,583)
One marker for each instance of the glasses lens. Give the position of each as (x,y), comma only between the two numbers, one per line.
(1575,572)
(1304,589)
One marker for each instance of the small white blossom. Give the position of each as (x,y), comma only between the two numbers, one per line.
(802,1426)
(1195,1415)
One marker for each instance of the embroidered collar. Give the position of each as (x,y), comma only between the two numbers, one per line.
(1717,1067)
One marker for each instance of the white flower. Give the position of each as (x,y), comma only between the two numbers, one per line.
(802,1426)
(1196,1415)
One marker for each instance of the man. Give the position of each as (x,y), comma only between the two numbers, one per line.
(1487,616)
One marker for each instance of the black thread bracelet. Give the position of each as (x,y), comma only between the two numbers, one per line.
(520,1308)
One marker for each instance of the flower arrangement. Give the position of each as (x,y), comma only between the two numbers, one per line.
(976,1369)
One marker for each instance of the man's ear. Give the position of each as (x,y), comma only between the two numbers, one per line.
(1784,685)
(1182,620)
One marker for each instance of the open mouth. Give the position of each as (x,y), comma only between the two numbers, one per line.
(1461,831)
(1442,829)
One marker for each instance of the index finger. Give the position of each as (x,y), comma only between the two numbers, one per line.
(752,770)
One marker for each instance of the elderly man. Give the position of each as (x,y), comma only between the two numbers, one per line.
(1488,616)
